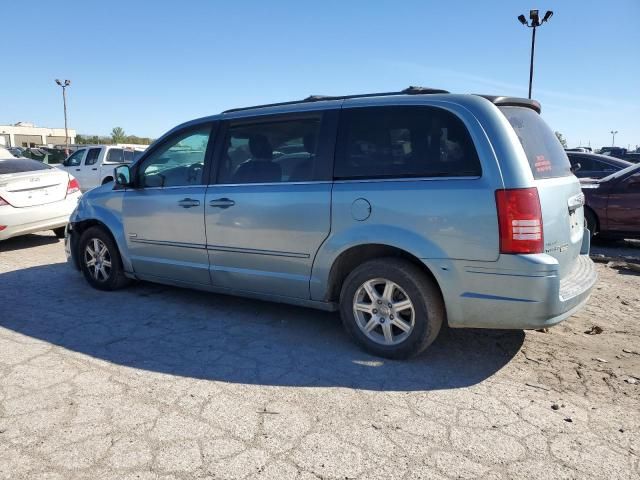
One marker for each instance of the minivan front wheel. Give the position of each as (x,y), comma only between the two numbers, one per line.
(391,308)
(100,260)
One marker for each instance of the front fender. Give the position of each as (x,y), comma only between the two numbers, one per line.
(359,235)
(104,206)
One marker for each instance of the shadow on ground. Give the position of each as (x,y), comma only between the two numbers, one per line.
(223,338)
(615,247)
(27,241)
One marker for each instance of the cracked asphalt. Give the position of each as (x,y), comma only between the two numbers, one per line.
(155,382)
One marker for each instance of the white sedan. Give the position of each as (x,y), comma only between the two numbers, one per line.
(34,196)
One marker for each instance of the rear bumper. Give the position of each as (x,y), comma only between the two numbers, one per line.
(21,221)
(525,292)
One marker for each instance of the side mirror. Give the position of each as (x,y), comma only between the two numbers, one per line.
(576,166)
(122,175)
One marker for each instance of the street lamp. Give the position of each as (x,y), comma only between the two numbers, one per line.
(613,137)
(64,84)
(535,23)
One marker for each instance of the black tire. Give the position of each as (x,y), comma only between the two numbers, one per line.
(591,221)
(115,278)
(107,180)
(59,232)
(421,290)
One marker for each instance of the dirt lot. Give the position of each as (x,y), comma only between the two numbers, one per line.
(158,382)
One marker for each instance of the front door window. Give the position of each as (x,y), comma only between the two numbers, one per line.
(75,159)
(178,163)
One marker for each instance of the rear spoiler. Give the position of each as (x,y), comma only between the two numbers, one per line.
(513,102)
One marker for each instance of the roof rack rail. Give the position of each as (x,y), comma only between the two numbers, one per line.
(413,90)
(501,101)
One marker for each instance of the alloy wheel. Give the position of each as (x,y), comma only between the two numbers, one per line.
(383,311)
(98,259)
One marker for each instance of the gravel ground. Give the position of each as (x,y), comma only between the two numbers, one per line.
(158,382)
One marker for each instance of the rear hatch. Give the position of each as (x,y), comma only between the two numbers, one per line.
(27,183)
(561,198)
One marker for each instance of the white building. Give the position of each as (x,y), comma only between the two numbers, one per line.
(24,134)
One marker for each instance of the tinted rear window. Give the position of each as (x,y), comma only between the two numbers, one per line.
(546,156)
(20,165)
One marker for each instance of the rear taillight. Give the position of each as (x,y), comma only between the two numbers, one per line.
(3,202)
(520,220)
(73,186)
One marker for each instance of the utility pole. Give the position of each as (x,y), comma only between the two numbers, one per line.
(64,84)
(535,23)
(613,137)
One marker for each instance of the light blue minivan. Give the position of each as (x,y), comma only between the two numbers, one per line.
(403,210)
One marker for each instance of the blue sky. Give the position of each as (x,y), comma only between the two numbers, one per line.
(147,66)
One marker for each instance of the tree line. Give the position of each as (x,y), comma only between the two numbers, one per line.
(118,135)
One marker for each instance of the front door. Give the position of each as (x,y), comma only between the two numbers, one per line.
(73,165)
(623,214)
(89,172)
(269,211)
(164,214)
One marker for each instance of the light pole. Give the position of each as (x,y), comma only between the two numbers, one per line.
(64,84)
(613,137)
(535,23)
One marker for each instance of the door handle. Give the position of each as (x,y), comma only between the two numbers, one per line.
(222,203)
(94,169)
(188,203)
(77,169)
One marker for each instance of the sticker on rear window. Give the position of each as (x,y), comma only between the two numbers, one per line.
(542,164)
(546,157)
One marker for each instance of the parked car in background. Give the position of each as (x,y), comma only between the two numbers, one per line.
(633,157)
(93,165)
(593,165)
(50,156)
(617,152)
(579,149)
(17,152)
(401,210)
(34,196)
(613,204)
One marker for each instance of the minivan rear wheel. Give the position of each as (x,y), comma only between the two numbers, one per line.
(100,260)
(391,308)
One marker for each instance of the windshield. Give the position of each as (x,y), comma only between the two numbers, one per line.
(622,172)
(546,156)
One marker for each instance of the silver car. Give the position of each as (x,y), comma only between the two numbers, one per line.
(401,210)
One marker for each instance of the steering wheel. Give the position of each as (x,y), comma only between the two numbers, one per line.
(194,172)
